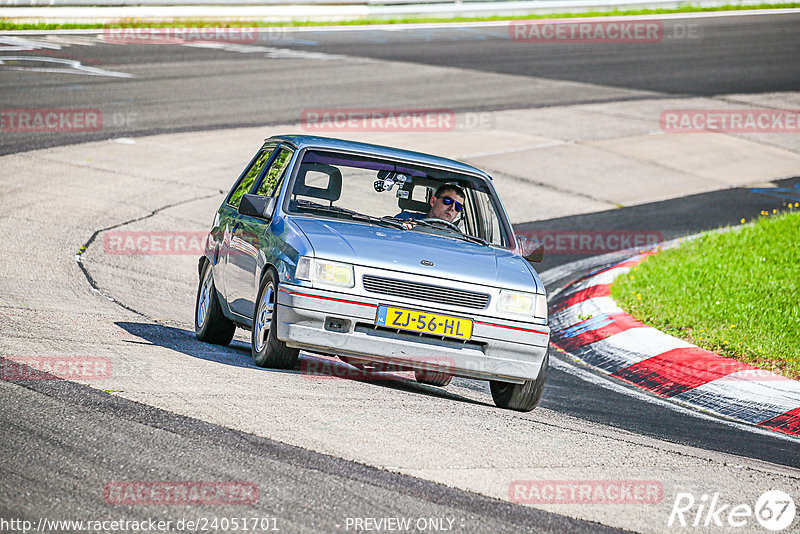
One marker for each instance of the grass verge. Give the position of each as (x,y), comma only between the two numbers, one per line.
(736,293)
(133,23)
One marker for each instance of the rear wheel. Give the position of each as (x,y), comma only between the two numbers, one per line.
(520,397)
(210,324)
(267,349)
(432,378)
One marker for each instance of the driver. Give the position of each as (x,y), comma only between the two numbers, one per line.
(446,203)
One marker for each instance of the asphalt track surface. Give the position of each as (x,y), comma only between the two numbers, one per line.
(54,429)
(186,89)
(181,88)
(698,57)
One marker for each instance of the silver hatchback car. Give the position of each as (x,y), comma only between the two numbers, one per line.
(385,258)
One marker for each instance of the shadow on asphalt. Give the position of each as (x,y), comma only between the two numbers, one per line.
(185,342)
(310,366)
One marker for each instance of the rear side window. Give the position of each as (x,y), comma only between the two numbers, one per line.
(250,176)
(275,173)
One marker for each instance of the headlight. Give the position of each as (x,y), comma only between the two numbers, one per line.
(325,272)
(523,303)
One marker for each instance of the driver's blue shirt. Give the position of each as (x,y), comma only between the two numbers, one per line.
(417,216)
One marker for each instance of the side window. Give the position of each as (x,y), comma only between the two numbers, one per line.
(252,173)
(488,225)
(275,172)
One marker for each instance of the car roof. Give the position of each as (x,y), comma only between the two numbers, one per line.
(312,141)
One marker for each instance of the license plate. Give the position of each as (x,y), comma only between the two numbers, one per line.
(430,323)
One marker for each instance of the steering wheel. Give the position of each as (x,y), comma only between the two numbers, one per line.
(443,222)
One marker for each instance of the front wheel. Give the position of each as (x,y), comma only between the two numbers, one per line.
(210,324)
(520,397)
(267,349)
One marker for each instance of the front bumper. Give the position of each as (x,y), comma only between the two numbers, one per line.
(333,323)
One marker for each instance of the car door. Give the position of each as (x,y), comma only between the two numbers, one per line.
(250,235)
(229,215)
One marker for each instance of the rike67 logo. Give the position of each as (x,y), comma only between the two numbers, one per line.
(774,510)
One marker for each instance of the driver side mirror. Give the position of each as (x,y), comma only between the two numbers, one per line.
(531,249)
(257,206)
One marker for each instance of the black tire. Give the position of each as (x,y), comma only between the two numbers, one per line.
(210,324)
(520,397)
(432,378)
(267,349)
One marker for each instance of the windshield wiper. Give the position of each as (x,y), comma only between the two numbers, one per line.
(475,239)
(459,234)
(379,220)
(304,204)
(313,206)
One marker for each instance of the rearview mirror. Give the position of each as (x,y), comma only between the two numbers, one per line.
(531,249)
(257,206)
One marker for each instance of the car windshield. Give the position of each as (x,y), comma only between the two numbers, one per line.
(397,194)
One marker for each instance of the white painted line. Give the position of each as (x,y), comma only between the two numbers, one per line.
(25,44)
(73,40)
(604,278)
(606,361)
(607,277)
(644,342)
(563,271)
(73,66)
(780,382)
(588,308)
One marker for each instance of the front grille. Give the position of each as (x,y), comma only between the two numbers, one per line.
(415,290)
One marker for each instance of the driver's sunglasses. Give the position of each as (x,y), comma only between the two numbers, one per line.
(448,200)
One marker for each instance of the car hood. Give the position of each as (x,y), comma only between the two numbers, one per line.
(405,250)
